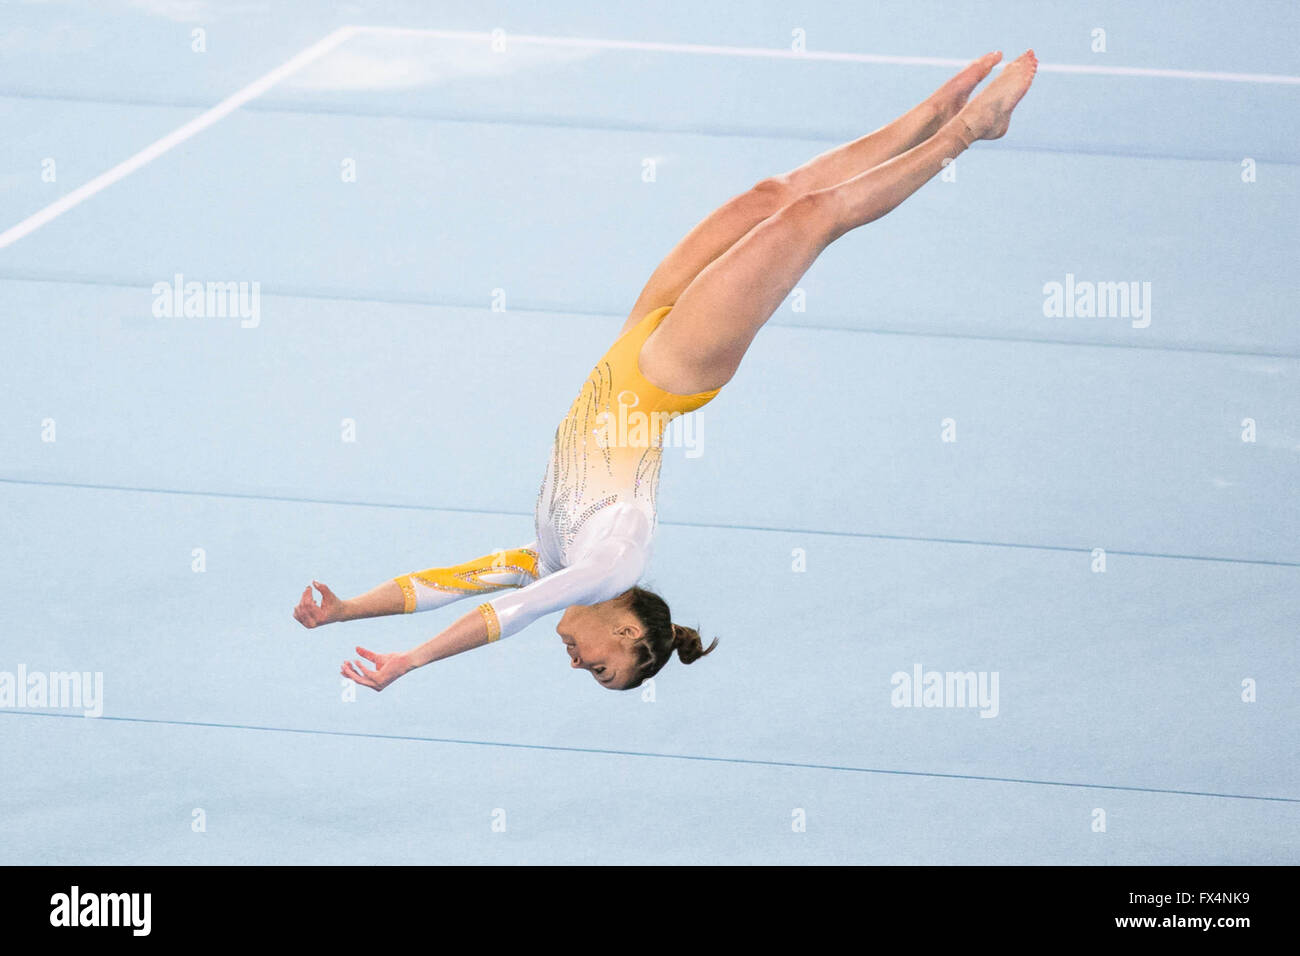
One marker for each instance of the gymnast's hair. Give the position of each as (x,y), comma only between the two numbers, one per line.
(661,637)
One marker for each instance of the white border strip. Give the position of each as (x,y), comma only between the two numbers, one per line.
(827,55)
(174,138)
(321,47)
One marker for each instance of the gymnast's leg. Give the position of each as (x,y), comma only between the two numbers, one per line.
(721,229)
(701,342)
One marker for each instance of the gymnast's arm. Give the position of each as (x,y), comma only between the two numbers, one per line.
(610,568)
(423,590)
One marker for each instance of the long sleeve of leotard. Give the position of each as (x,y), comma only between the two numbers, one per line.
(609,568)
(437,587)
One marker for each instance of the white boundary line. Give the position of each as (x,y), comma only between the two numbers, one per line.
(342,34)
(829,55)
(174,138)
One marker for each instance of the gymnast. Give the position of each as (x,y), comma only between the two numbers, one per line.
(683,340)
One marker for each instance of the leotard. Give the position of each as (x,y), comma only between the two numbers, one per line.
(596,514)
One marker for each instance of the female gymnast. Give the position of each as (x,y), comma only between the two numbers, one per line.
(685,337)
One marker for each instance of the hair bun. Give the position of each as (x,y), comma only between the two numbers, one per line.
(687,644)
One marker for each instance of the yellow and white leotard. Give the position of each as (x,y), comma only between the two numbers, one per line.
(595,516)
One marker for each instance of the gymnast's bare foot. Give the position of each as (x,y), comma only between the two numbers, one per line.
(989,114)
(952,96)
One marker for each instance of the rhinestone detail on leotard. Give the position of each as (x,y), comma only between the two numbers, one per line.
(590,470)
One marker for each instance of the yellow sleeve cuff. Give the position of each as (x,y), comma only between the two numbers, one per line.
(408,593)
(489,616)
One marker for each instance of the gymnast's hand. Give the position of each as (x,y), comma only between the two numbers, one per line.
(310,614)
(388,667)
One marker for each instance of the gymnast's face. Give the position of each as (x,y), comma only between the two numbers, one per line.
(599,640)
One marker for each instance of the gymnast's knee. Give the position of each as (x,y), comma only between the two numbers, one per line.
(773,194)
